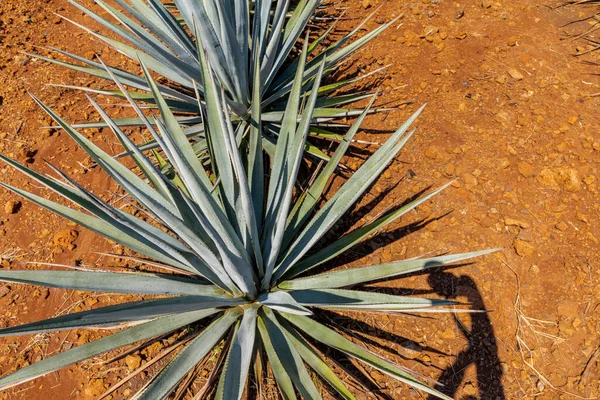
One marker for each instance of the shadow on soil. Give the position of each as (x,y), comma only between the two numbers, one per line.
(481,350)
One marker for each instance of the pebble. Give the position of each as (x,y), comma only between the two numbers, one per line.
(512,41)
(4,290)
(21,60)
(366,4)
(516,222)
(409,350)
(534,269)
(515,74)
(525,169)
(523,248)
(561,226)
(12,206)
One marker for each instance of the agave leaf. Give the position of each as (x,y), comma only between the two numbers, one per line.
(273,336)
(294,30)
(282,301)
(148,169)
(354,276)
(314,360)
(344,198)
(128,78)
(308,201)
(229,165)
(284,382)
(131,335)
(288,157)
(102,157)
(160,22)
(332,57)
(78,198)
(356,236)
(236,367)
(112,282)
(332,339)
(173,69)
(115,316)
(213,220)
(189,357)
(360,300)
(146,43)
(111,231)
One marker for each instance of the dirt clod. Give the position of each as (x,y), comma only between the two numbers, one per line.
(94,388)
(65,239)
(133,362)
(12,206)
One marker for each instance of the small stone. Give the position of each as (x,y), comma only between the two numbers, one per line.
(523,248)
(4,290)
(501,79)
(512,41)
(21,60)
(448,334)
(470,180)
(515,74)
(133,362)
(589,179)
(525,169)
(582,217)
(573,119)
(561,226)
(12,206)
(366,4)
(534,269)
(515,222)
(409,350)
(459,13)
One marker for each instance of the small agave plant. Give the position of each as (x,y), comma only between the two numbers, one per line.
(242,39)
(236,249)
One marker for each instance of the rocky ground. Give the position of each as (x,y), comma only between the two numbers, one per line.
(512,120)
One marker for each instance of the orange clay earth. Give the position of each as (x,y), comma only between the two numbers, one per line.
(511,120)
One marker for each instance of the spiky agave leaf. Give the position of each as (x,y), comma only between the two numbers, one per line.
(242,39)
(240,251)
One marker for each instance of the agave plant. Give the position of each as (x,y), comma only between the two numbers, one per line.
(236,249)
(243,39)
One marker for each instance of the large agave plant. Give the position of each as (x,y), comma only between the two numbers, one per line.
(237,253)
(244,40)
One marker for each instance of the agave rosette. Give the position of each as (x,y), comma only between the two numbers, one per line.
(237,250)
(242,39)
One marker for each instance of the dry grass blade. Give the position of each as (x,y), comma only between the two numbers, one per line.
(147,365)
